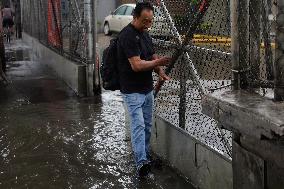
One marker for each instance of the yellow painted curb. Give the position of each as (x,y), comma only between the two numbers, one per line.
(222,40)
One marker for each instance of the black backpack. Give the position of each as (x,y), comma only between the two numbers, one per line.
(109,70)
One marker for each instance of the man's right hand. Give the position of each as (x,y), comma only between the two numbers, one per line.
(164,61)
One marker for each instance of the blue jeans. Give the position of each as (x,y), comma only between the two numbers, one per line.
(140,110)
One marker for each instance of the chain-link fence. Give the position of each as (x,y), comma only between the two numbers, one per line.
(210,53)
(209,60)
(58,24)
(197,34)
(254,40)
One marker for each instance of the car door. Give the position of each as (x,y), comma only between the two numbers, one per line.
(127,17)
(115,21)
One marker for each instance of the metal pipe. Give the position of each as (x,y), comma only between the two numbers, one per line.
(97,81)
(88,13)
(239,31)
(254,39)
(267,40)
(279,59)
(182,94)
(89,28)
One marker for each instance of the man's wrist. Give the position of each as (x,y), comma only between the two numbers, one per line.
(156,62)
(159,70)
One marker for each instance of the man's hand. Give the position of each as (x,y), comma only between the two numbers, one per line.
(162,74)
(164,61)
(139,65)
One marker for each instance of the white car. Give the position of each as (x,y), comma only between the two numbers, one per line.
(123,15)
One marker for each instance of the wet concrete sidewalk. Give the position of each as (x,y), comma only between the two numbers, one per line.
(49,138)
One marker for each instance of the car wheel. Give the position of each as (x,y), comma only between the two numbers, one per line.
(106,29)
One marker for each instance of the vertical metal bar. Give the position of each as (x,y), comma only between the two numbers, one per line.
(69,14)
(43,8)
(88,16)
(243,19)
(32,18)
(267,41)
(254,39)
(182,94)
(235,43)
(97,84)
(279,59)
(239,46)
(38,21)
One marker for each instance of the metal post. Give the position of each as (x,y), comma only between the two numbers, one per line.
(279,55)
(239,44)
(266,39)
(38,21)
(91,41)
(182,94)
(97,81)
(70,27)
(254,40)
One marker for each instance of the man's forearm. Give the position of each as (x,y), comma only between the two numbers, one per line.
(145,65)
(139,65)
(157,69)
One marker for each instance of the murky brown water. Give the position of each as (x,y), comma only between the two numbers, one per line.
(49,138)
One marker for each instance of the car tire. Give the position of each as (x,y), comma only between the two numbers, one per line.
(107,29)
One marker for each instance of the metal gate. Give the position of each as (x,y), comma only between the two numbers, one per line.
(200,40)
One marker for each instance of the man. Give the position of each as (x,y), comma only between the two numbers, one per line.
(136,62)
(7,16)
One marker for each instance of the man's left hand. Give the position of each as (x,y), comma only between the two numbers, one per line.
(163,76)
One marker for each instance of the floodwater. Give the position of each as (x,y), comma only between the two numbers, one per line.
(50,138)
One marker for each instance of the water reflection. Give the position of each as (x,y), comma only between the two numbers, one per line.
(49,138)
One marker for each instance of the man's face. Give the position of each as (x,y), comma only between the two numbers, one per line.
(145,20)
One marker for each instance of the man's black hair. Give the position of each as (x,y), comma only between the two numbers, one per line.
(142,6)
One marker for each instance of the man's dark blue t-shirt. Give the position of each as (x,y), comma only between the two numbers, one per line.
(132,42)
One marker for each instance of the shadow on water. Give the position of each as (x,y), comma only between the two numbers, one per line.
(49,138)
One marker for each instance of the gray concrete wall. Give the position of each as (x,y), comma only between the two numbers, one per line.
(73,73)
(204,167)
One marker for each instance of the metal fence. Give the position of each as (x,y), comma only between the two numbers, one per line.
(58,24)
(211,53)
(69,28)
(210,60)
(203,65)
